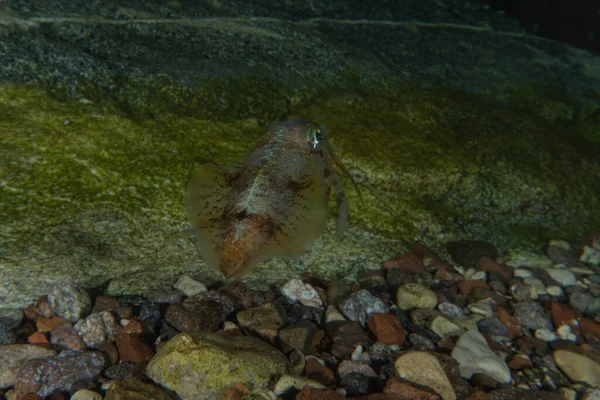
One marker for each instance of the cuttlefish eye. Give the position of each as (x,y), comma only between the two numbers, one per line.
(316,138)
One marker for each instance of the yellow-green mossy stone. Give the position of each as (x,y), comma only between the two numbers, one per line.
(201,365)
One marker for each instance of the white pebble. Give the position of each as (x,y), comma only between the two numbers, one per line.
(545,335)
(189,286)
(554,291)
(523,273)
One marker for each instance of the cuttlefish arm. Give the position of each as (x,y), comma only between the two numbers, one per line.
(333,180)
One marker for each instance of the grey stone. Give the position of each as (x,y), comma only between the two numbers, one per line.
(532,315)
(359,306)
(585,302)
(69,300)
(12,357)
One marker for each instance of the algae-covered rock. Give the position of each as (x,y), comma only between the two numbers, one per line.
(203,365)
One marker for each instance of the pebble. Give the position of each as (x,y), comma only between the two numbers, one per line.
(545,335)
(298,336)
(424,369)
(359,306)
(132,348)
(230,360)
(350,366)
(264,320)
(517,258)
(475,356)
(62,372)
(333,314)
(443,327)
(97,328)
(468,252)
(189,286)
(523,273)
(296,290)
(202,316)
(287,383)
(585,302)
(346,335)
(409,262)
(577,367)
(554,291)
(13,356)
(69,301)
(387,329)
(563,276)
(85,394)
(536,287)
(133,389)
(413,295)
(481,308)
(65,337)
(450,310)
(532,315)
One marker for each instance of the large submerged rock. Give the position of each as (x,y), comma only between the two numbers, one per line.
(455,123)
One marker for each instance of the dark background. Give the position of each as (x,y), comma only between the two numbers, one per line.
(576,22)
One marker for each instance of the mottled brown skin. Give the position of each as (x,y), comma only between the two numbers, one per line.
(275,204)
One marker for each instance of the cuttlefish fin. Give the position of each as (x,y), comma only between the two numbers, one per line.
(207,193)
(305,220)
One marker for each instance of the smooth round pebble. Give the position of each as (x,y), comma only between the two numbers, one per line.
(577,367)
(554,291)
(563,276)
(424,369)
(413,295)
(545,335)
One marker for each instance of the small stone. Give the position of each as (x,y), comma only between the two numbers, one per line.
(405,390)
(98,328)
(520,361)
(466,287)
(447,273)
(319,372)
(518,258)
(545,335)
(346,335)
(298,336)
(409,262)
(523,273)
(355,384)
(69,301)
(473,274)
(421,342)
(585,302)
(264,320)
(309,393)
(349,366)
(133,389)
(110,351)
(450,310)
(189,286)
(520,291)
(203,316)
(58,373)
(468,322)
(49,324)
(387,329)
(424,369)
(511,322)
(333,314)
(296,290)
(488,264)
(66,338)
(359,306)
(444,327)
(562,276)
(150,314)
(493,327)
(126,371)
(132,348)
(104,303)
(85,394)
(536,287)
(13,356)
(243,296)
(413,295)
(481,308)
(287,383)
(532,316)
(577,367)
(554,291)
(475,356)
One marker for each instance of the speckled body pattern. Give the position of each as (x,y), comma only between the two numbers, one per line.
(275,204)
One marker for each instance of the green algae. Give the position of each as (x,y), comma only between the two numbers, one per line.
(93,187)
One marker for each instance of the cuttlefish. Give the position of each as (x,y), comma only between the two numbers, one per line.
(275,204)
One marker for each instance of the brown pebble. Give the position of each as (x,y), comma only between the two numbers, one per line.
(104,303)
(124,312)
(564,315)
(409,262)
(406,390)
(445,272)
(465,287)
(37,338)
(488,264)
(309,393)
(387,329)
(519,362)
(32,313)
(318,372)
(236,392)
(49,324)
(510,321)
(110,351)
(65,337)
(132,348)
